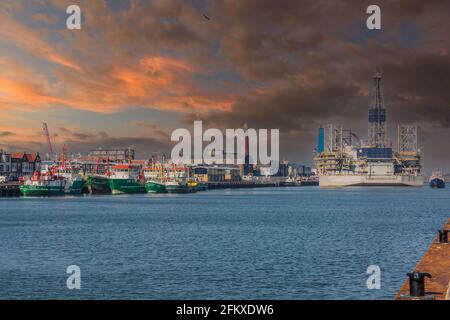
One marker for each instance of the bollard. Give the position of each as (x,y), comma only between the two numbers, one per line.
(443,236)
(417,283)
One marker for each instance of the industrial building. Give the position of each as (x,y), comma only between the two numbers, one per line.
(111,155)
(216,173)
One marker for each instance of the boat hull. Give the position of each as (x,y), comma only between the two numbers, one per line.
(126,186)
(181,188)
(370,180)
(155,187)
(97,184)
(78,187)
(41,191)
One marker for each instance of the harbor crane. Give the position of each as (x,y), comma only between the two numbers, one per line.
(47,135)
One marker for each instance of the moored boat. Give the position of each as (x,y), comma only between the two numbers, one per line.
(155,177)
(179,180)
(178,187)
(126,178)
(98,184)
(72,174)
(78,186)
(76,182)
(168,179)
(43,185)
(437,180)
(155,187)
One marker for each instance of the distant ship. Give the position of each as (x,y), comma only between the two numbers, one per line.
(342,162)
(437,181)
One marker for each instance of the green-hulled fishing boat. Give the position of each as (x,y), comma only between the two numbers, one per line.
(155,187)
(179,180)
(154,177)
(178,187)
(43,186)
(126,179)
(76,182)
(98,184)
(162,178)
(78,186)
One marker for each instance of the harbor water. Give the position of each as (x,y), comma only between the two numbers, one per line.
(268,243)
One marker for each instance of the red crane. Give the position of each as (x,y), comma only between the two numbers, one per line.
(47,135)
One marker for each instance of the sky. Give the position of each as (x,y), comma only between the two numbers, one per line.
(137,70)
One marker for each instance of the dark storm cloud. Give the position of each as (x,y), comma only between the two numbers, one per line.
(312,40)
(313,62)
(287,64)
(287,106)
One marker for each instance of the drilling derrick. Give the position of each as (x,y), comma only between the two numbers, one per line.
(377,116)
(408,156)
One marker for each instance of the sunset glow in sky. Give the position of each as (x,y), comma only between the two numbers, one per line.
(139,69)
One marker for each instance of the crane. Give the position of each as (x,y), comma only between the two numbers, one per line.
(47,135)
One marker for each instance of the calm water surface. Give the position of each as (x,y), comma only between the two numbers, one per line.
(281,243)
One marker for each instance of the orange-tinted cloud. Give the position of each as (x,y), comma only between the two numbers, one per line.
(32,41)
(108,80)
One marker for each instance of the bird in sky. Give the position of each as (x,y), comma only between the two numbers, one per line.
(206,17)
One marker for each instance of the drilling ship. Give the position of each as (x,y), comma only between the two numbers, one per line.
(342,159)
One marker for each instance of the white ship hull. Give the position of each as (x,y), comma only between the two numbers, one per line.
(370,180)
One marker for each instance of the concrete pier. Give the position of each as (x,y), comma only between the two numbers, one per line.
(435,261)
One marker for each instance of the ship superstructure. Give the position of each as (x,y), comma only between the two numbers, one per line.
(342,159)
